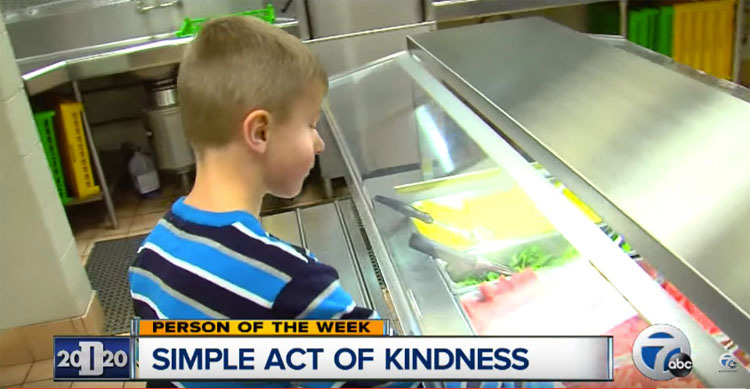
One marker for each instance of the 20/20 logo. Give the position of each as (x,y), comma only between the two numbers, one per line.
(92,358)
(662,352)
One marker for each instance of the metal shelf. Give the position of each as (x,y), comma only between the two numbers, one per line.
(90,199)
(462,9)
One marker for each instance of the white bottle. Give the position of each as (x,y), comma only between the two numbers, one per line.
(143,173)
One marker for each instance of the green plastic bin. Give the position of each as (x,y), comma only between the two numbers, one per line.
(652,28)
(191,27)
(46,128)
(664,30)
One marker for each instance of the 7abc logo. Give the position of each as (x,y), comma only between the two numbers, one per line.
(662,352)
(92,358)
(728,363)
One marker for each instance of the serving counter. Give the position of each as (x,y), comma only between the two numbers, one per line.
(519,178)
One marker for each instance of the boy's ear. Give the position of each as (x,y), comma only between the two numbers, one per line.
(255,130)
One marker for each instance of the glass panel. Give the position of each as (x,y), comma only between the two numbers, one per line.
(469,243)
(392,126)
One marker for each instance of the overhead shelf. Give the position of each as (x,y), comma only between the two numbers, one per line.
(461,9)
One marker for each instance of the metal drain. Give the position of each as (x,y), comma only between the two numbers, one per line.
(107,269)
(370,253)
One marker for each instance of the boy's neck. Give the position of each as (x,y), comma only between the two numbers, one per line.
(222,186)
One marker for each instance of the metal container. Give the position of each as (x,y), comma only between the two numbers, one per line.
(165,97)
(173,152)
(502,252)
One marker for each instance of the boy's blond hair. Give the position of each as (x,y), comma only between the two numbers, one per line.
(234,66)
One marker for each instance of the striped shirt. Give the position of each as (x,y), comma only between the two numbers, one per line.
(197,264)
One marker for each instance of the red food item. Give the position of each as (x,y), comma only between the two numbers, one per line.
(743,357)
(503,296)
(649,269)
(488,291)
(524,277)
(691,309)
(503,285)
(625,333)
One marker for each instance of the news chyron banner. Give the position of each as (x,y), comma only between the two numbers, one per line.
(338,350)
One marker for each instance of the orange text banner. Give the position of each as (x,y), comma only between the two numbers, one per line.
(261,327)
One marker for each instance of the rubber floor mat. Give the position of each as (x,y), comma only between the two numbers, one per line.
(107,269)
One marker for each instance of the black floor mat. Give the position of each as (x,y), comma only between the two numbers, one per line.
(107,268)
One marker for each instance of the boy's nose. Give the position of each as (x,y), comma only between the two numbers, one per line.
(318,143)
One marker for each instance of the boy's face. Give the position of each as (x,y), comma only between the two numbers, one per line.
(293,145)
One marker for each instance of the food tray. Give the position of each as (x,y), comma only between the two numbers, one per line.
(503,252)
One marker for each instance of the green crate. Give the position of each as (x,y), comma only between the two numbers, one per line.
(641,26)
(191,27)
(46,128)
(650,15)
(664,30)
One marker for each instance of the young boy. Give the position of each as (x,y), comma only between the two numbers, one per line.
(250,96)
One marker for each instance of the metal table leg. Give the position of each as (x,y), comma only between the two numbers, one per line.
(737,45)
(624,18)
(95,159)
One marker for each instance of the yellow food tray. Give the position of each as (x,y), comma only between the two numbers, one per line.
(507,215)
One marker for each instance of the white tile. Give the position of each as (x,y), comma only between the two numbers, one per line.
(10,78)
(33,264)
(37,167)
(18,123)
(21,206)
(48,295)
(54,221)
(76,280)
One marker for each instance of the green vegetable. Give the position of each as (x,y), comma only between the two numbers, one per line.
(474,280)
(535,258)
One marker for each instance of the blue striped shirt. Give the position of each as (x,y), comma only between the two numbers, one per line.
(197,264)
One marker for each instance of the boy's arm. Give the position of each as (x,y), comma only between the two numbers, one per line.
(316,293)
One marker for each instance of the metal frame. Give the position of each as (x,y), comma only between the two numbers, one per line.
(95,159)
(737,52)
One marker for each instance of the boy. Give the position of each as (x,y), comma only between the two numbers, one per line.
(250,96)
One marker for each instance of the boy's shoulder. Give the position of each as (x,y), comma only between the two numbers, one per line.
(235,240)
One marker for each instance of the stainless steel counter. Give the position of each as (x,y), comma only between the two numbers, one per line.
(660,156)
